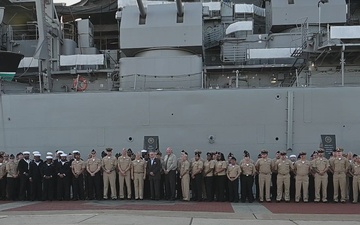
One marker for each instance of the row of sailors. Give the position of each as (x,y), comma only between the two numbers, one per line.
(211,175)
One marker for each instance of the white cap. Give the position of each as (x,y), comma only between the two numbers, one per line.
(63,155)
(49,153)
(37,154)
(26,153)
(143,151)
(60,152)
(292,156)
(75,151)
(49,157)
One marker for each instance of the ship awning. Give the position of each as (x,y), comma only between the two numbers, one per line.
(249,8)
(270,53)
(239,26)
(124,3)
(213,6)
(80,60)
(29,62)
(345,32)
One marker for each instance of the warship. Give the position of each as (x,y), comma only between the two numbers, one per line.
(211,75)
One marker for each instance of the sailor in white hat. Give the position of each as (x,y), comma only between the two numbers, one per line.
(63,181)
(35,177)
(48,172)
(143,153)
(293,158)
(76,152)
(58,155)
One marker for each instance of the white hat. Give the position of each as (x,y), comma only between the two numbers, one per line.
(49,153)
(63,155)
(26,153)
(49,157)
(37,154)
(143,151)
(292,156)
(76,152)
(60,152)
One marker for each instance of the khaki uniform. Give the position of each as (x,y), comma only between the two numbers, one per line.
(218,166)
(340,167)
(2,170)
(355,170)
(185,179)
(109,163)
(247,181)
(248,169)
(283,168)
(320,166)
(2,181)
(263,166)
(233,171)
(196,173)
(220,179)
(93,165)
(124,164)
(208,174)
(12,169)
(302,170)
(138,171)
(77,166)
(12,174)
(209,168)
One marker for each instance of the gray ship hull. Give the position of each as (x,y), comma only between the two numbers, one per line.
(237,119)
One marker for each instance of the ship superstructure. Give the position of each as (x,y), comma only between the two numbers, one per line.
(245,44)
